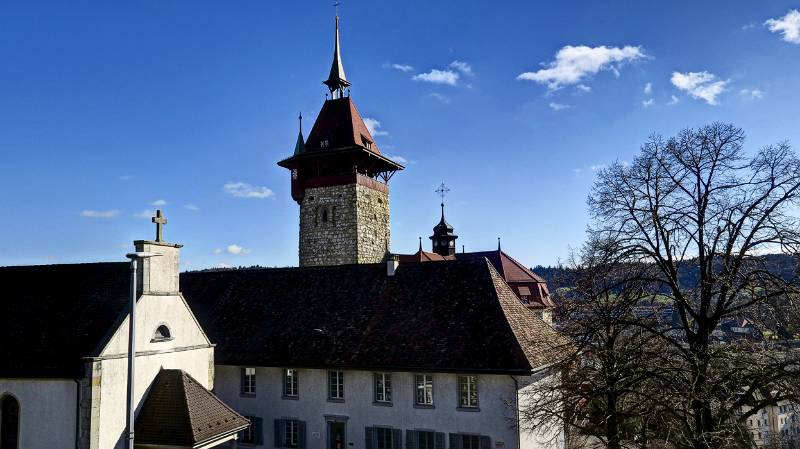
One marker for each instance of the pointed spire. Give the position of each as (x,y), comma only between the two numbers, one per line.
(300,146)
(498,243)
(420,244)
(337,81)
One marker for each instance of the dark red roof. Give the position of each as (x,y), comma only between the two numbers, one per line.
(179,411)
(517,275)
(340,124)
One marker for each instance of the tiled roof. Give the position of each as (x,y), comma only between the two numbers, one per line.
(179,411)
(340,124)
(445,316)
(53,315)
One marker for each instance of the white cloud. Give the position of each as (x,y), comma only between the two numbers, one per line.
(752,93)
(558,106)
(647,103)
(673,101)
(218,251)
(648,88)
(577,171)
(748,26)
(158,203)
(399,159)
(100,213)
(462,67)
(190,207)
(373,126)
(436,76)
(400,67)
(788,25)
(583,89)
(147,213)
(236,250)
(573,64)
(442,98)
(245,190)
(701,85)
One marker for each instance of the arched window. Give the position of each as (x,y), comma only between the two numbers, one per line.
(162,333)
(9,422)
(324,215)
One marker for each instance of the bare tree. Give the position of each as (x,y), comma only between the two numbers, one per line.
(696,202)
(687,225)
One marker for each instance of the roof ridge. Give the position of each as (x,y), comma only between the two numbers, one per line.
(191,412)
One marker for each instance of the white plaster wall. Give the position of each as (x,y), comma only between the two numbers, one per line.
(47,411)
(495,418)
(189,350)
(544,438)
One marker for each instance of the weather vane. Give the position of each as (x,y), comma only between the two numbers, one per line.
(336,5)
(442,191)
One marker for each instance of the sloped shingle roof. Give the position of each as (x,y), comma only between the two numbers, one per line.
(179,411)
(53,315)
(444,316)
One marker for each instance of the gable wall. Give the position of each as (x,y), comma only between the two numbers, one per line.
(189,350)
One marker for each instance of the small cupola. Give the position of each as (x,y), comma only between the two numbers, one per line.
(443,240)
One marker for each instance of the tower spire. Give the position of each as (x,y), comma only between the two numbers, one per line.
(300,146)
(337,81)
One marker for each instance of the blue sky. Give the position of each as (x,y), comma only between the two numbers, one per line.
(109,108)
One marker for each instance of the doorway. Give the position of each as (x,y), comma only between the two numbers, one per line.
(337,435)
(9,422)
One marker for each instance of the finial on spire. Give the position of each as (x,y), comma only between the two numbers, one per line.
(420,244)
(498,243)
(463,249)
(337,81)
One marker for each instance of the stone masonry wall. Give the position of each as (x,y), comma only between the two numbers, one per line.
(343,224)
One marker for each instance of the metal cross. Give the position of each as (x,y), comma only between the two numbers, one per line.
(160,221)
(442,191)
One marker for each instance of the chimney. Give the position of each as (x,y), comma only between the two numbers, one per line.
(391,264)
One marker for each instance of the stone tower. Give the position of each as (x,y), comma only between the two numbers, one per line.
(340,180)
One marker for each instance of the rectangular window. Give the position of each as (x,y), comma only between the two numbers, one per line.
(248,381)
(336,385)
(383,388)
(470,442)
(290,382)
(290,433)
(252,434)
(425,439)
(467,441)
(468,391)
(384,438)
(423,387)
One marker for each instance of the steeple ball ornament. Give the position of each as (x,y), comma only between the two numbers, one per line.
(337,81)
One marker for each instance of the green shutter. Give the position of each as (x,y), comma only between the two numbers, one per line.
(411,439)
(397,439)
(369,434)
(278,433)
(438,440)
(454,440)
(485,442)
(258,430)
(301,434)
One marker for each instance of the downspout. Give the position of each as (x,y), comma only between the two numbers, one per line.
(516,406)
(77,413)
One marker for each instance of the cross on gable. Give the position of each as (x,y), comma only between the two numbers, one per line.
(160,221)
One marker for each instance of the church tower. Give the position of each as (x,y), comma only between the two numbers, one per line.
(340,180)
(443,239)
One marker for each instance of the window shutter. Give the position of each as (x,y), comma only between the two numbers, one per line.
(258,430)
(278,433)
(455,441)
(397,439)
(439,440)
(485,442)
(411,439)
(241,384)
(368,435)
(301,434)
